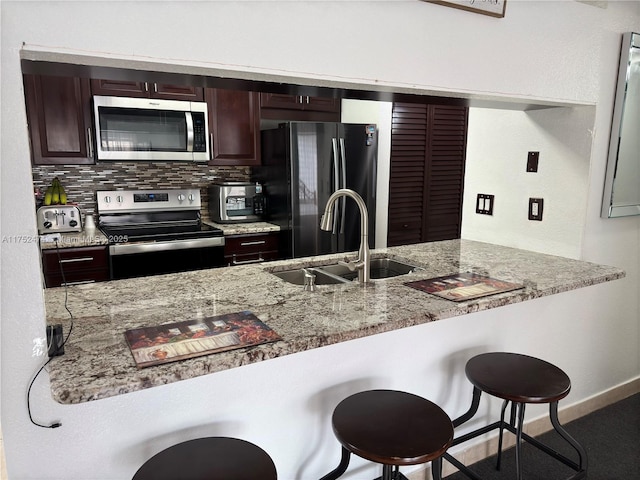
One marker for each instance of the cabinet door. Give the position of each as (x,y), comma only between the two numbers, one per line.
(124,88)
(428,145)
(75,265)
(300,108)
(234,125)
(119,88)
(59,119)
(277,100)
(176,92)
(321,104)
(251,248)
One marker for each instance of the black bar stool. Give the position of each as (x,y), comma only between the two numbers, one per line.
(519,379)
(392,428)
(213,458)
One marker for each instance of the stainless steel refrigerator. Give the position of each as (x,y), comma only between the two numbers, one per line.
(303,163)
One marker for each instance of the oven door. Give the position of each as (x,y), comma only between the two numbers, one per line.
(130,260)
(150,129)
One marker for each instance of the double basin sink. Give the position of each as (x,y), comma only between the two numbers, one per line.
(336,273)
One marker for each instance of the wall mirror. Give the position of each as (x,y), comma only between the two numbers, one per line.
(622,183)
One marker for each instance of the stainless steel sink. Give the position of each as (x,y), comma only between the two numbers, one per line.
(380,268)
(297,276)
(336,273)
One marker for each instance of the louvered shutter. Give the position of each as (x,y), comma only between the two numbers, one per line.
(428,144)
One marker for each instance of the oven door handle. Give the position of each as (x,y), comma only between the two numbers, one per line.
(130,248)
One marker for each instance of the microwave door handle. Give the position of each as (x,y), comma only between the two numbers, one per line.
(343,164)
(336,182)
(189,120)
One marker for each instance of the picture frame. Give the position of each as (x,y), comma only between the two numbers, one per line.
(493,8)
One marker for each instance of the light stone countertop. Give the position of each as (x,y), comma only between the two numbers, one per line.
(98,363)
(244,228)
(72,240)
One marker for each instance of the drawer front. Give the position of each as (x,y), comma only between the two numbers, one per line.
(243,244)
(241,249)
(76,278)
(256,257)
(75,259)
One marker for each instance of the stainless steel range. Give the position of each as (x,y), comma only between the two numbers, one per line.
(152,232)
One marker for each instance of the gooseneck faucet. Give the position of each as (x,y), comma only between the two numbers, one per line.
(363,262)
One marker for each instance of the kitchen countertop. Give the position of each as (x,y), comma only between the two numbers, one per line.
(80,239)
(244,228)
(98,363)
(96,238)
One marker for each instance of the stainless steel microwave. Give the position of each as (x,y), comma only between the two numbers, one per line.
(150,129)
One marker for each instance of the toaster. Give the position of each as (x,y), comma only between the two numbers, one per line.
(59,219)
(234,202)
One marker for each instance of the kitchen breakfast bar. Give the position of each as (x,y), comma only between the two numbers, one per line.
(98,363)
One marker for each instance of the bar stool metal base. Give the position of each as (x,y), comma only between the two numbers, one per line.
(484,368)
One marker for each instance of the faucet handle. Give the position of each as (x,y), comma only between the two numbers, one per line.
(351,265)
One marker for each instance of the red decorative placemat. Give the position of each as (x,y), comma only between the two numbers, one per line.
(192,338)
(463,286)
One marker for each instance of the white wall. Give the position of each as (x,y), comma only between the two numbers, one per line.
(561,51)
(497,148)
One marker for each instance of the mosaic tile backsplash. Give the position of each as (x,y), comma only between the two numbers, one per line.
(82,181)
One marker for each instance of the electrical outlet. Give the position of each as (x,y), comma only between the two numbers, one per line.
(484,204)
(532,161)
(535,208)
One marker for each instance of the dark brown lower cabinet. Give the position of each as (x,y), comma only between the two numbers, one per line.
(428,151)
(73,266)
(250,248)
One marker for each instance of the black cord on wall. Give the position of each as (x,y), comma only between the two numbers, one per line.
(64,282)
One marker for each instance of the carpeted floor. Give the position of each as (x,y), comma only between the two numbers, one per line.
(611,437)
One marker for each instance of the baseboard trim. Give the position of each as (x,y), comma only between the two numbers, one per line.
(479,451)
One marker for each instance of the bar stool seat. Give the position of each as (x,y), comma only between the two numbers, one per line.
(212,458)
(519,380)
(391,428)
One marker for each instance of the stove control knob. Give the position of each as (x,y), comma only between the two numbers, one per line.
(47,224)
(107,199)
(181,197)
(192,197)
(119,199)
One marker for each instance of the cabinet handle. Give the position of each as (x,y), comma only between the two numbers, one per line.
(211,143)
(258,242)
(74,260)
(245,262)
(89,143)
(80,282)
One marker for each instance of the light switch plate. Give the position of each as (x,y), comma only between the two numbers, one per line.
(532,161)
(535,208)
(484,204)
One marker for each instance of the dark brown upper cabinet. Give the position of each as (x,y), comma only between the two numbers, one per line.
(234,127)
(59,119)
(276,106)
(122,88)
(428,151)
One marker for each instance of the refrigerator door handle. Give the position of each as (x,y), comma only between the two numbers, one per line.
(343,164)
(336,182)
